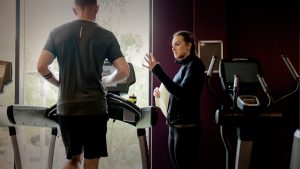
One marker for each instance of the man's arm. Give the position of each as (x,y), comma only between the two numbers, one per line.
(45,59)
(121,73)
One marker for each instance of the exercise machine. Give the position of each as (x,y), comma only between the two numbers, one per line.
(238,78)
(244,85)
(118,109)
(5,79)
(295,155)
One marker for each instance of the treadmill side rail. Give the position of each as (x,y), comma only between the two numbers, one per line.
(32,116)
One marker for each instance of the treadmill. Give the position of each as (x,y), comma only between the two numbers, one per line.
(118,109)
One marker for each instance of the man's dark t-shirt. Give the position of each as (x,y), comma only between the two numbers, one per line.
(81,48)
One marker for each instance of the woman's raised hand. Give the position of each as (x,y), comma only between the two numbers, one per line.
(150,61)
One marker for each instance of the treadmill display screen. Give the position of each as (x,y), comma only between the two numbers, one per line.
(109,69)
(121,87)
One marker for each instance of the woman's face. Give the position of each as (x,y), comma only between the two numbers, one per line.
(180,48)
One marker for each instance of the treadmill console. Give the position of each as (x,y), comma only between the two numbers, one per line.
(121,87)
(5,74)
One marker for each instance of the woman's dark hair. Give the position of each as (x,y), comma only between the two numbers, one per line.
(188,37)
(85,2)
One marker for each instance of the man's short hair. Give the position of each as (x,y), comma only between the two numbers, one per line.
(85,2)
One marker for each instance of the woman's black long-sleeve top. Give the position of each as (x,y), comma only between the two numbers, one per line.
(185,90)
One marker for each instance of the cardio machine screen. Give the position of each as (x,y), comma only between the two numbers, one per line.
(246,70)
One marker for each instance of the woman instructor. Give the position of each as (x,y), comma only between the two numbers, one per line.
(183,114)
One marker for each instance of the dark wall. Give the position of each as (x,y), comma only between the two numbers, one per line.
(255,29)
(211,24)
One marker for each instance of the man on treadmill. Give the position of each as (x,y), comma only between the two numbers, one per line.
(81,47)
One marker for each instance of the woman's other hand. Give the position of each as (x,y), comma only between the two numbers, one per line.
(156,92)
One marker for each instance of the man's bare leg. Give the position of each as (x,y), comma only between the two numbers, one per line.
(74,163)
(91,163)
